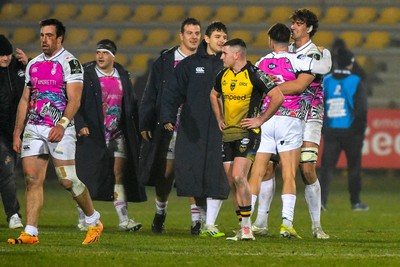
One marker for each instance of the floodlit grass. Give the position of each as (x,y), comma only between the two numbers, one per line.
(357,238)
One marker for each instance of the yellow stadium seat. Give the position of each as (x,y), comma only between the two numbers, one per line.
(24,36)
(352,39)
(389,15)
(280,14)
(245,35)
(200,12)
(5,32)
(253,14)
(172,13)
(65,11)
(226,14)
(314,9)
(261,40)
(104,33)
(117,13)
(90,13)
(138,63)
(36,12)
(122,59)
(253,58)
(175,40)
(76,36)
(362,15)
(30,54)
(324,38)
(157,37)
(145,13)
(335,15)
(87,57)
(131,37)
(11,11)
(377,40)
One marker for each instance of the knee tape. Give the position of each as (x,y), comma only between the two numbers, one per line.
(309,154)
(69,173)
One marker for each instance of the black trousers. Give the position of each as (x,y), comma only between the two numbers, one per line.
(333,146)
(8,184)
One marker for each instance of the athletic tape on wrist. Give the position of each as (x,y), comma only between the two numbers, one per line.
(64,122)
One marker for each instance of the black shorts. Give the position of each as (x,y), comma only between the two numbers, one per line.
(246,147)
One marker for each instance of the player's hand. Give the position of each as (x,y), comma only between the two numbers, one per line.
(56,133)
(21,56)
(321,48)
(169,126)
(274,78)
(146,135)
(221,125)
(17,144)
(84,132)
(251,123)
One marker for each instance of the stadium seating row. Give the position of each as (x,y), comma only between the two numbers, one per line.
(144,13)
(160,37)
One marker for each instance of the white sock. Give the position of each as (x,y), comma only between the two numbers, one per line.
(253,203)
(93,219)
(313,197)
(288,203)
(213,207)
(195,212)
(265,197)
(32,230)
(120,203)
(81,214)
(203,213)
(161,207)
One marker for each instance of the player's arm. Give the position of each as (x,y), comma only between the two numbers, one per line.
(268,86)
(216,104)
(297,86)
(74,93)
(22,112)
(277,99)
(319,65)
(324,64)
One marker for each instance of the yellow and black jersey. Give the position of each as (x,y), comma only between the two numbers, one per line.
(242,93)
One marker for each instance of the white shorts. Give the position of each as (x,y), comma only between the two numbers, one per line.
(171,147)
(117,147)
(35,142)
(280,134)
(312,131)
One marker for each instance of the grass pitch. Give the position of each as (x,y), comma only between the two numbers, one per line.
(357,238)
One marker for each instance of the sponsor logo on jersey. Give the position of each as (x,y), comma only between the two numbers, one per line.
(200,70)
(235,97)
(75,66)
(233,85)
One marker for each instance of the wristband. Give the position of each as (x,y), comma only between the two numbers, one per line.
(64,122)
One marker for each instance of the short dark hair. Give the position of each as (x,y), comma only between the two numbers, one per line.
(60,28)
(216,26)
(189,21)
(107,44)
(308,17)
(236,42)
(279,33)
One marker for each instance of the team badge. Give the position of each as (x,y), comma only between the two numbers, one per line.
(233,85)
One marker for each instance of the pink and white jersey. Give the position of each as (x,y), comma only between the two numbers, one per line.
(286,67)
(112,94)
(315,89)
(47,79)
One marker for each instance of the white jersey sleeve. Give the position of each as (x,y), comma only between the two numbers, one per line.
(73,70)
